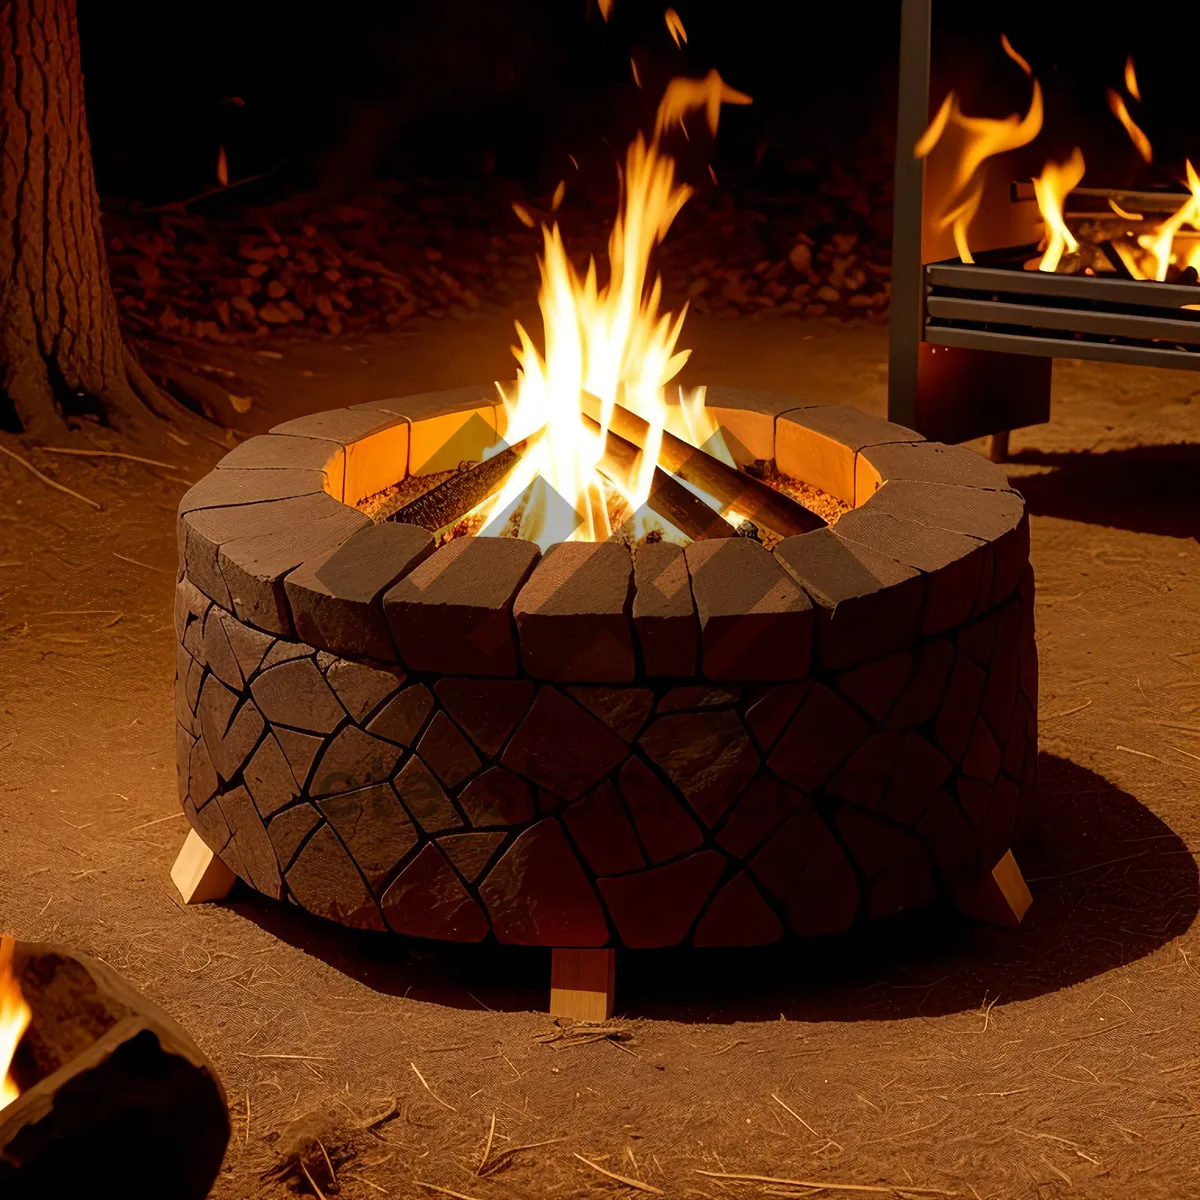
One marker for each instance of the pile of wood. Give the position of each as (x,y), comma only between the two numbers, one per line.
(302,268)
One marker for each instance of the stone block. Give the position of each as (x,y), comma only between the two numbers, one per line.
(255,853)
(868,604)
(623,709)
(875,686)
(269,452)
(289,829)
(691,699)
(446,752)
(974,797)
(738,916)
(573,614)
(755,623)
(497,797)
(977,640)
(453,613)
(353,759)
(428,899)
(202,775)
(470,852)
(336,598)
(982,759)
(956,717)
(708,756)
(921,769)
(664,614)
(300,749)
(867,773)
(487,709)
(562,748)
(209,822)
(295,693)
(268,776)
(424,798)
(825,898)
(920,700)
(403,716)
(822,735)
(249,646)
(362,688)
(325,881)
(924,462)
(538,895)
(820,444)
(217,652)
(254,566)
(339,425)
(873,843)
(662,823)
(1012,560)
(996,832)
(781,861)
(373,827)
(658,907)
(979,512)
(949,837)
(600,828)
(445,438)
(222,489)
(906,884)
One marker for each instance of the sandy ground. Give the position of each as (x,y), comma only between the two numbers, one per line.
(1059,1059)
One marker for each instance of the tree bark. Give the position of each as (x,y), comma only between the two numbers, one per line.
(61,350)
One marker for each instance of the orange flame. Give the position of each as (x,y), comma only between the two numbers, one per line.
(15,1016)
(1136,136)
(610,341)
(1131,83)
(1161,242)
(675,26)
(222,168)
(985,137)
(1051,188)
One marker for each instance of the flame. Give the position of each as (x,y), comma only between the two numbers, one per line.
(15,1016)
(1131,83)
(1136,136)
(222,167)
(633,67)
(1161,242)
(984,137)
(610,341)
(605,7)
(675,26)
(1051,188)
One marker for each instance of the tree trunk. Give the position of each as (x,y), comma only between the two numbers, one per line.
(61,351)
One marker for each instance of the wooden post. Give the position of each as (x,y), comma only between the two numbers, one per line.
(998,446)
(1000,897)
(581,984)
(199,874)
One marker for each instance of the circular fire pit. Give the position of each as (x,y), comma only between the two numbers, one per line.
(716,744)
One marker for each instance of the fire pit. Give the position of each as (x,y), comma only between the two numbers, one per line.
(593,746)
(578,666)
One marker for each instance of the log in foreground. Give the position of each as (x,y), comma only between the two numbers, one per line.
(668,497)
(756,501)
(115,1097)
(452,500)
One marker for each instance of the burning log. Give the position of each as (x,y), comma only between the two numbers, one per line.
(755,500)
(668,497)
(449,501)
(112,1094)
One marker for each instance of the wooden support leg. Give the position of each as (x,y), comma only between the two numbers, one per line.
(199,874)
(581,984)
(1001,897)
(998,446)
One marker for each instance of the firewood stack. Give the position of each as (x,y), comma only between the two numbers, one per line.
(115,1099)
(304,269)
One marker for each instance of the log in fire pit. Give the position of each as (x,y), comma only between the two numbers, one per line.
(606,744)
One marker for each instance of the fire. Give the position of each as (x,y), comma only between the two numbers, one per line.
(222,167)
(1051,189)
(1136,136)
(610,341)
(1131,83)
(983,138)
(15,1016)
(1162,242)
(675,26)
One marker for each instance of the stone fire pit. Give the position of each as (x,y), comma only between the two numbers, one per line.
(588,748)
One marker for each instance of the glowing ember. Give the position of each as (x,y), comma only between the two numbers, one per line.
(982,138)
(15,1016)
(222,168)
(612,342)
(1051,189)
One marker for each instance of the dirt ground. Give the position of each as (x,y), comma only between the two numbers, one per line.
(1060,1059)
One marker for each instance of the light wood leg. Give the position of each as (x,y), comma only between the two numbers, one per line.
(998,447)
(581,984)
(1000,897)
(199,874)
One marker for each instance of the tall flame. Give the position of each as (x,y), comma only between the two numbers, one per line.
(1136,136)
(1051,188)
(1131,83)
(1161,242)
(608,340)
(15,1016)
(985,137)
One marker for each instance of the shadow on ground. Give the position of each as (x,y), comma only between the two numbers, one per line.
(1111,883)
(1144,489)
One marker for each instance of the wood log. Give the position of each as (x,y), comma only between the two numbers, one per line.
(756,501)
(454,498)
(115,1097)
(668,497)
